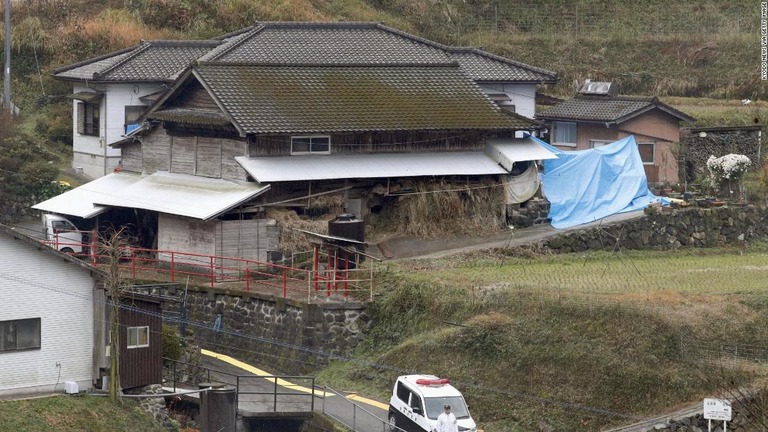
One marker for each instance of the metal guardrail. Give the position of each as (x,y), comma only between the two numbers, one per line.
(355,416)
(279,396)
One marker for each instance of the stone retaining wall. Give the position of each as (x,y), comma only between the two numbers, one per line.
(535,211)
(266,330)
(741,421)
(668,228)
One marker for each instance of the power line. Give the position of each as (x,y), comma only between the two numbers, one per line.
(330,356)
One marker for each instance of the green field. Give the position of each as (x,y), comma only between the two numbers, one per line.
(578,341)
(74,414)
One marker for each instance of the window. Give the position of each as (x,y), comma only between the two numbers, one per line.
(311,145)
(565,133)
(402,392)
(18,335)
(88,118)
(138,337)
(647,150)
(598,143)
(132,114)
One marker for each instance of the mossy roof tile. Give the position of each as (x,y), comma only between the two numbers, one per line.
(279,99)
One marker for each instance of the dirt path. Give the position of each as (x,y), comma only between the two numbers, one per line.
(405,247)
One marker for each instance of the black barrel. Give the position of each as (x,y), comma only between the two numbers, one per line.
(348,226)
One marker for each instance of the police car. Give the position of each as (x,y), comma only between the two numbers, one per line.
(417,400)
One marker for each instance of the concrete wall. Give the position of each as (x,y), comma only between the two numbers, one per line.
(265,330)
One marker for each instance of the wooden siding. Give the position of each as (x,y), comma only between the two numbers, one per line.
(141,366)
(248,239)
(194,96)
(132,157)
(230,169)
(380,142)
(183,151)
(60,293)
(156,149)
(208,158)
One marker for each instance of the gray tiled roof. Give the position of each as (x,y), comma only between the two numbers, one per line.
(606,109)
(483,66)
(85,70)
(364,43)
(148,61)
(328,43)
(296,99)
(299,43)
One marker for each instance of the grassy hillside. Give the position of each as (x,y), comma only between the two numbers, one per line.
(74,414)
(576,342)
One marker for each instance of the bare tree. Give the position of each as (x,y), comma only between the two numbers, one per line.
(111,245)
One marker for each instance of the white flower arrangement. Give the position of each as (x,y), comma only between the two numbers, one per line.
(730,167)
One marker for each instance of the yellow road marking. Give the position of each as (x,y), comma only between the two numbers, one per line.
(256,371)
(287,384)
(371,402)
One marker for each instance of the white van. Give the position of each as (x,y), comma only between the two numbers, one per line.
(417,400)
(61,234)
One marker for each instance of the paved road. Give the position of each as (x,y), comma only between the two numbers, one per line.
(295,395)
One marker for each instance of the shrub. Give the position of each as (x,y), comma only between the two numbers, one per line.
(171,343)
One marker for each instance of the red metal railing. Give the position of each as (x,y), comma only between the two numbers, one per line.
(236,273)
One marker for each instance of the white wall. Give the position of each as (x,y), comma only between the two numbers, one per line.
(93,154)
(35,283)
(523,96)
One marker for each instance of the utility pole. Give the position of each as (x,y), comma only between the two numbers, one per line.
(7,75)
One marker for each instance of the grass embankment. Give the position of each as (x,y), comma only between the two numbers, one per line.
(74,414)
(573,341)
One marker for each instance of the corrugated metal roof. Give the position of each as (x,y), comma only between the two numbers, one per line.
(508,151)
(378,165)
(80,201)
(313,99)
(183,195)
(178,194)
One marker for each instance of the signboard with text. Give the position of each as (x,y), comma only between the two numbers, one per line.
(717,409)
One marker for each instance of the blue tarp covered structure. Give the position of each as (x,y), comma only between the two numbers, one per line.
(587,185)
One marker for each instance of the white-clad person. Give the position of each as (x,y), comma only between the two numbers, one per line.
(446,421)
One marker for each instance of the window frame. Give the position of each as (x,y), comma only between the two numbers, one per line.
(137,344)
(137,110)
(89,118)
(653,151)
(602,143)
(13,325)
(557,126)
(311,138)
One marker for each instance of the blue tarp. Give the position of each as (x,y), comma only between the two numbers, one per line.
(587,185)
